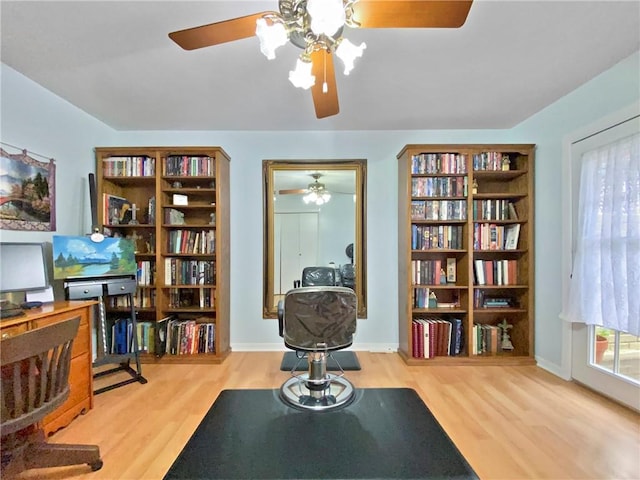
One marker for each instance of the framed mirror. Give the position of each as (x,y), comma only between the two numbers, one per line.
(314,215)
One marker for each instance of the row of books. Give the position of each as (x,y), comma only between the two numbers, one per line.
(189,166)
(146,273)
(437,337)
(178,271)
(120,338)
(427,163)
(494,210)
(427,237)
(169,336)
(438,209)
(439,186)
(191,241)
(117,166)
(489,161)
(142,298)
(189,337)
(495,272)
(432,272)
(192,298)
(487,339)
(490,236)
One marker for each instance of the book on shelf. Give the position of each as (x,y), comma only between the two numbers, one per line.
(486,339)
(512,214)
(160,335)
(497,302)
(128,166)
(478,268)
(451,270)
(116,210)
(151,213)
(437,337)
(512,232)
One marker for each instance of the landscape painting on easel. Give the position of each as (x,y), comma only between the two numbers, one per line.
(27,193)
(81,257)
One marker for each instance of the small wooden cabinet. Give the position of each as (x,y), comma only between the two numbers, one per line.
(81,377)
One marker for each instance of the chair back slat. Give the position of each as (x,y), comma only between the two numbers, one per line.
(35,373)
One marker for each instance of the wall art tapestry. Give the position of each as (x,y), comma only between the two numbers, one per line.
(27,192)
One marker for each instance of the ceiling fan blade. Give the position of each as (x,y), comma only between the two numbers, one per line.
(292,191)
(217,33)
(326,103)
(411,13)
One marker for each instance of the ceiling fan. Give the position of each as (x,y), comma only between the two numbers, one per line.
(314,186)
(316,192)
(317,27)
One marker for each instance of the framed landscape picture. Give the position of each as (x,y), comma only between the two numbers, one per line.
(80,257)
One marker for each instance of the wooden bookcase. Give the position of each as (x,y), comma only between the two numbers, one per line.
(180,196)
(457,205)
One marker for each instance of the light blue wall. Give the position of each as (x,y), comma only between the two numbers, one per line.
(33,118)
(611,91)
(247,150)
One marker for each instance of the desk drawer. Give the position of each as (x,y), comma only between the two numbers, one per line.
(7,332)
(84,290)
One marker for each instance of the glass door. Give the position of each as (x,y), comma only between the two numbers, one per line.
(605,360)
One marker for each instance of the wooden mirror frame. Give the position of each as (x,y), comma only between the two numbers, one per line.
(269,167)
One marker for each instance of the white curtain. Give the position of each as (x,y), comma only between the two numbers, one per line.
(605,282)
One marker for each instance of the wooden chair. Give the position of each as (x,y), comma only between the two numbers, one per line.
(35,381)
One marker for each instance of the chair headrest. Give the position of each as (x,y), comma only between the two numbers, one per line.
(312,276)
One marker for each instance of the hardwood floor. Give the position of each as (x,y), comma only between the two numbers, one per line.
(509,422)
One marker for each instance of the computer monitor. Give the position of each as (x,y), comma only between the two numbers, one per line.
(23,267)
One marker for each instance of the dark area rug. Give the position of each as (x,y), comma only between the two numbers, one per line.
(384,433)
(347,360)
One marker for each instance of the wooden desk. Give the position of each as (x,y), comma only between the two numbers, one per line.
(81,376)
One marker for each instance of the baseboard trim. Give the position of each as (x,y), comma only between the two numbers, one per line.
(557,370)
(279,347)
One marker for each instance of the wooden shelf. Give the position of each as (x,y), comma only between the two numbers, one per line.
(206,194)
(474,166)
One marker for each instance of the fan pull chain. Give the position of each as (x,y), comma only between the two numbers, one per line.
(325,87)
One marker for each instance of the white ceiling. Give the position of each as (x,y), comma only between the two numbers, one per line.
(115,61)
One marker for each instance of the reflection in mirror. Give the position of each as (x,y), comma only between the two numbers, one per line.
(315,215)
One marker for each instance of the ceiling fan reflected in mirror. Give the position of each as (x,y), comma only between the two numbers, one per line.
(317,27)
(316,192)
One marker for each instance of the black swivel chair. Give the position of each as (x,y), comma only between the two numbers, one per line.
(35,381)
(318,321)
(324,276)
(319,277)
(348,275)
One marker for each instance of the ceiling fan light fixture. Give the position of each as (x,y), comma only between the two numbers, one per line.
(348,52)
(319,198)
(301,77)
(316,193)
(271,35)
(327,16)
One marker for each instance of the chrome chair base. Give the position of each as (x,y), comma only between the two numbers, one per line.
(329,393)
